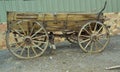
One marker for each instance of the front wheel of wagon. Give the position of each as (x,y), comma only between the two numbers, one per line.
(27,40)
(93,37)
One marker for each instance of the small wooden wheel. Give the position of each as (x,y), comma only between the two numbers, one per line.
(93,37)
(27,40)
(71,37)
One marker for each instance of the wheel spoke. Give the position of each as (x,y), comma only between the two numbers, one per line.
(84,41)
(87,44)
(100,29)
(22,50)
(22,28)
(39,41)
(32,29)
(37,37)
(38,47)
(91,47)
(103,38)
(37,32)
(99,42)
(96,46)
(85,36)
(34,51)
(100,34)
(17,43)
(90,28)
(18,32)
(95,27)
(87,31)
(20,44)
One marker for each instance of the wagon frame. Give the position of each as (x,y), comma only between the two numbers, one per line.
(28,34)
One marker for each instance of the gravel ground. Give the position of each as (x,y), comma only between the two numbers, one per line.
(66,59)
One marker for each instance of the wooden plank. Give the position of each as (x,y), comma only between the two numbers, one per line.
(113,67)
(53,22)
(50,16)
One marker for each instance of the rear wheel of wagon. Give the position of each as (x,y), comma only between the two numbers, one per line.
(93,37)
(27,41)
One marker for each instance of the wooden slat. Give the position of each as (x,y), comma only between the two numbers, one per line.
(53,22)
(53,17)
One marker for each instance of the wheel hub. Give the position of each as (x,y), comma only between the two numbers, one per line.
(28,40)
(94,37)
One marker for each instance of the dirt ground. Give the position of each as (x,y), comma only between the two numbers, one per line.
(67,58)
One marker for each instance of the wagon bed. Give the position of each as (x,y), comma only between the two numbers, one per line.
(53,21)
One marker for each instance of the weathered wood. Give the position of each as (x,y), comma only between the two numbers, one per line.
(50,16)
(52,22)
(113,67)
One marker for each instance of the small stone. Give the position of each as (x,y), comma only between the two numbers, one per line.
(51,57)
(67,70)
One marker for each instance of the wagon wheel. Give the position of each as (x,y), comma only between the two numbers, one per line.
(93,37)
(72,38)
(27,42)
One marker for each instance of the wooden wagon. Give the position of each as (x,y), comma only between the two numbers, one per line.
(28,34)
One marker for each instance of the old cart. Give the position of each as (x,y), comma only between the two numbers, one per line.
(28,33)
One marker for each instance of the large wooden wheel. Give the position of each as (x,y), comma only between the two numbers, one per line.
(27,42)
(93,37)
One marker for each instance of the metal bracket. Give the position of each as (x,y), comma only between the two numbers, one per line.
(101,12)
(55,18)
